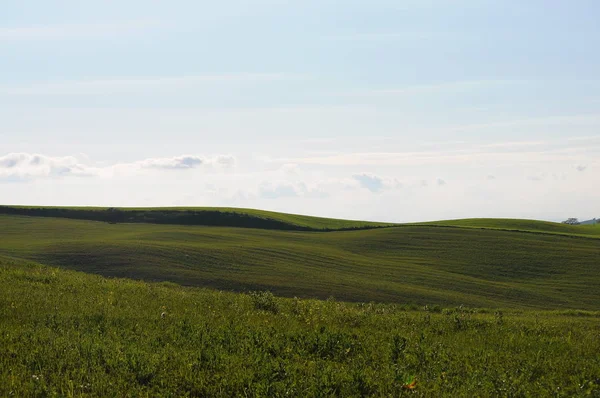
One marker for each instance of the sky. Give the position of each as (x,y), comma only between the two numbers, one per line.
(383,110)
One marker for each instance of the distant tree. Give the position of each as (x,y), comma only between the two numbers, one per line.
(114,215)
(571,221)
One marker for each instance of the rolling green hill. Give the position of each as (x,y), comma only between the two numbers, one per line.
(486,263)
(209,216)
(67,333)
(521,225)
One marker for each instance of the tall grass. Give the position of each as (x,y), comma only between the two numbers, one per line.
(65,333)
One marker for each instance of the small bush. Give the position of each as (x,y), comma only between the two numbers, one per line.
(265,301)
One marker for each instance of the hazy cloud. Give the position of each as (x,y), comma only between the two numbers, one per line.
(369,181)
(278,190)
(186,162)
(316,189)
(26,166)
(183,162)
(290,169)
(375,183)
(457,153)
(180,162)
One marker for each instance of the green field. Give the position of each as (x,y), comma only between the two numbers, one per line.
(533,226)
(208,216)
(484,263)
(65,333)
(480,307)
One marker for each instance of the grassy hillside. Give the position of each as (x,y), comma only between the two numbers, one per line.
(210,216)
(521,225)
(261,219)
(410,264)
(65,333)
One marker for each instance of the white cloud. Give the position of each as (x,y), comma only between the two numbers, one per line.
(194,180)
(179,162)
(172,164)
(26,166)
(185,162)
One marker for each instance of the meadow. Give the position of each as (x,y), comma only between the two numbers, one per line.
(66,333)
(162,305)
(487,265)
(207,216)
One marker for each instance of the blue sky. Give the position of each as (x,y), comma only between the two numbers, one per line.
(388,110)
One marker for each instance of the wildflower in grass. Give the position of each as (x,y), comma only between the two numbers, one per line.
(411,384)
(85,386)
(35,377)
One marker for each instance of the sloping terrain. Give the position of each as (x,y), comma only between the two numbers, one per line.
(446,265)
(208,216)
(521,226)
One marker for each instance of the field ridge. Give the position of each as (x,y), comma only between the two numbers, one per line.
(419,264)
(583,233)
(207,216)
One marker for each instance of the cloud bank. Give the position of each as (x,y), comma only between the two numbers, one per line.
(26,166)
(186,162)
(16,167)
(551,190)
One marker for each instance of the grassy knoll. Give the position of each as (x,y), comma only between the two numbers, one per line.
(533,226)
(65,333)
(419,264)
(251,218)
(210,216)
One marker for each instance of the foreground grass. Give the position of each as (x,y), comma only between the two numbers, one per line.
(64,333)
(420,264)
